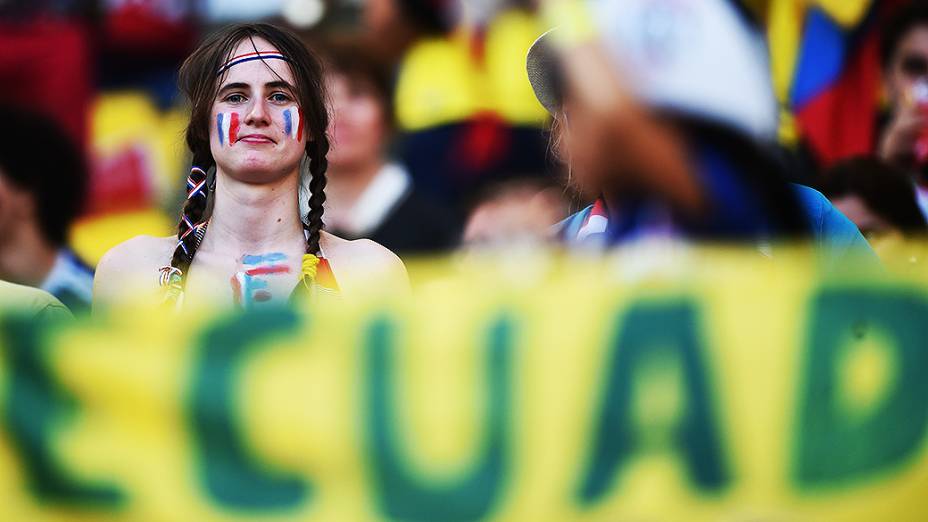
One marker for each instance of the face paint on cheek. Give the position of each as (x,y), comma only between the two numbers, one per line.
(227,127)
(293,123)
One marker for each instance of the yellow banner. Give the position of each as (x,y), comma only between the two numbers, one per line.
(537,391)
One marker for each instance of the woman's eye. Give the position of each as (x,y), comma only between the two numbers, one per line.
(280,97)
(235,98)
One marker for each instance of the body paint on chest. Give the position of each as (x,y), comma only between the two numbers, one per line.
(293,123)
(227,127)
(254,285)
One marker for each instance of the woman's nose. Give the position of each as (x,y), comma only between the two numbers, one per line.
(257,114)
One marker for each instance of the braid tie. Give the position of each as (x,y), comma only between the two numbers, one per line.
(171,279)
(196,186)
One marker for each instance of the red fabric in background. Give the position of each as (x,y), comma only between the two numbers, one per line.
(46,66)
(143,28)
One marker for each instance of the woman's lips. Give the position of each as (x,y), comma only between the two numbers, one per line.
(255,138)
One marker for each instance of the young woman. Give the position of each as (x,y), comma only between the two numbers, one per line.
(258,124)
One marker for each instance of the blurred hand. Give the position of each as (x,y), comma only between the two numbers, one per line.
(898,143)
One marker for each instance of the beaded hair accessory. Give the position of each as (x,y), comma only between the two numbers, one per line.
(248,57)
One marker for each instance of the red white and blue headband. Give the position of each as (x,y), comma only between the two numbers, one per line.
(247,57)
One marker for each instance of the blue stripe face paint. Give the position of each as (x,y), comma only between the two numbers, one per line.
(288,123)
(219,128)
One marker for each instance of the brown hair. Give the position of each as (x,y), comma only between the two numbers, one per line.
(360,67)
(199,82)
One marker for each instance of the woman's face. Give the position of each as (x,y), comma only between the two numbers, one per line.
(257,131)
(358,127)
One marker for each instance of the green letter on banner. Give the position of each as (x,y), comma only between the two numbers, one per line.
(663,332)
(231,474)
(35,408)
(832,447)
(404,496)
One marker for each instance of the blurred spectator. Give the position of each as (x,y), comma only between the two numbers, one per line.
(904,54)
(676,137)
(466,120)
(879,198)
(367,195)
(42,186)
(392,26)
(514,212)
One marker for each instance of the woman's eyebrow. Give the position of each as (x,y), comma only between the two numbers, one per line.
(232,86)
(279,84)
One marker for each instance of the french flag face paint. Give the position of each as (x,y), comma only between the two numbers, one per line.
(293,123)
(227,127)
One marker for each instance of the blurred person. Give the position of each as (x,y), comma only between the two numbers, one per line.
(880,199)
(513,212)
(258,124)
(680,145)
(904,56)
(43,182)
(369,196)
(464,119)
(392,26)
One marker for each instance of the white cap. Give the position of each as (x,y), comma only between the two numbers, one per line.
(698,57)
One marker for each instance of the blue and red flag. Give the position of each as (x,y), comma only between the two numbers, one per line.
(825,60)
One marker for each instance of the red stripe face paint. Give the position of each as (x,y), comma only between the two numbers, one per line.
(233,128)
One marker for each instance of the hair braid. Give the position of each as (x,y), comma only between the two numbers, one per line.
(318,164)
(191,229)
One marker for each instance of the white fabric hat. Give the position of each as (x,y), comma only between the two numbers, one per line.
(701,58)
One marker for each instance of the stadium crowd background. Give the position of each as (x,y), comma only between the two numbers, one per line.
(434,93)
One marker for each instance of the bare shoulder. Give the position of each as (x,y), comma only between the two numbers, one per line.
(131,265)
(363,260)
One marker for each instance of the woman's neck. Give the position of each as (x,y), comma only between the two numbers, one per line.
(249,218)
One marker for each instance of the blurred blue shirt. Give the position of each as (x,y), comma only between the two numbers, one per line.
(835,237)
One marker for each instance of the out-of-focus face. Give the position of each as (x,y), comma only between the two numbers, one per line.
(576,145)
(870,224)
(379,16)
(257,130)
(523,214)
(358,126)
(909,64)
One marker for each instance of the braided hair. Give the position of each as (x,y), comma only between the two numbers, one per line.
(199,81)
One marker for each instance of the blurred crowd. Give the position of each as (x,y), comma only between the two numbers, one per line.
(456,124)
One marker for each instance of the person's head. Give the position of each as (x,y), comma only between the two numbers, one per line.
(572,133)
(706,62)
(878,197)
(258,115)
(904,51)
(427,17)
(43,177)
(361,107)
(518,210)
